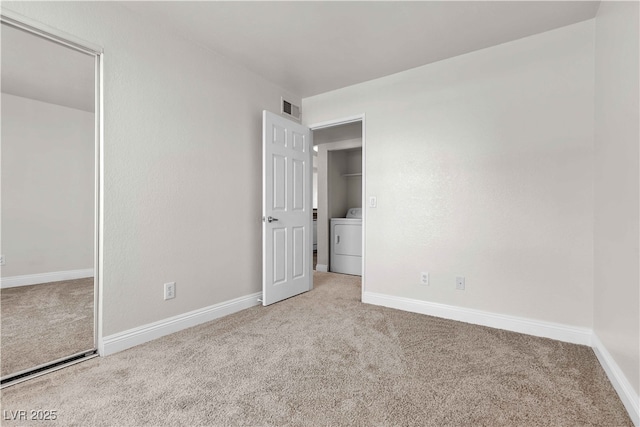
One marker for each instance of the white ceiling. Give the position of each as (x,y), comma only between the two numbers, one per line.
(306,47)
(36,68)
(311,47)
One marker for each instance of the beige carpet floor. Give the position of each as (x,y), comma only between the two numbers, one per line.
(42,323)
(325,359)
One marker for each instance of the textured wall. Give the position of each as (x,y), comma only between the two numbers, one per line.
(48,183)
(337,189)
(482,166)
(617,186)
(182,156)
(354,183)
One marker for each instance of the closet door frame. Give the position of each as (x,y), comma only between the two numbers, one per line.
(39,29)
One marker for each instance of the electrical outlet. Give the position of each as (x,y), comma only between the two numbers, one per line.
(1,259)
(169,290)
(460,283)
(424,278)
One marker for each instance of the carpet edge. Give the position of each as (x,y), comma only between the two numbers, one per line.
(35,279)
(556,331)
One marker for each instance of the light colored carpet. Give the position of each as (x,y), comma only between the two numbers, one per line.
(42,323)
(325,359)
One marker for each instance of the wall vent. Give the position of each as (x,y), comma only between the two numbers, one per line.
(290,110)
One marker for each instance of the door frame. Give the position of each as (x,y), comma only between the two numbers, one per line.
(343,121)
(39,29)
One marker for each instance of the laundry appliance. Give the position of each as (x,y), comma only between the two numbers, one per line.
(346,243)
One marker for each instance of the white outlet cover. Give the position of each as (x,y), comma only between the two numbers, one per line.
(169,290)
(460,283)
(424,278)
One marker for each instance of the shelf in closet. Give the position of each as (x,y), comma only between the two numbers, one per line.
(352,174)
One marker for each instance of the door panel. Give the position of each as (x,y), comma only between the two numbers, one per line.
(279,255)
(49,220)
(279,183)
(279,135)
(299,142)
(286,209)
(299,252)
(298,185)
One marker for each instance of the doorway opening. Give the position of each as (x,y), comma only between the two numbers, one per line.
(338,194)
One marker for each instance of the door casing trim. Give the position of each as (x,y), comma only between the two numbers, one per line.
(344,121)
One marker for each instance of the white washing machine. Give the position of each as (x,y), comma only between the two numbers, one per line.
(346,243)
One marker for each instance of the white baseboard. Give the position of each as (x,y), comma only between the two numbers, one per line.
(556,331)
(630,399)
(35,279)
(136,336)
(322,268)
(522,325)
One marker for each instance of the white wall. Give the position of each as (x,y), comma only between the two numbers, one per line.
(617,199)
(482,166)
(337,188)
(354,183)
(344,191)
(182,156)
(48,183)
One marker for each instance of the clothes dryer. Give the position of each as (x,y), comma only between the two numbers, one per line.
(346,243)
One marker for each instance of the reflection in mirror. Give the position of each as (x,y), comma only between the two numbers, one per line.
(48,201)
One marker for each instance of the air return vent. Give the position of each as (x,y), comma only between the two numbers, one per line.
(290,110)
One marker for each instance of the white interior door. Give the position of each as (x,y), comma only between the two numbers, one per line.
(287,240)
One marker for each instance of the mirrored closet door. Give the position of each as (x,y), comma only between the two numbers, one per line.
(48,202)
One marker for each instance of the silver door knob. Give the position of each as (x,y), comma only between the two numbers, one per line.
(271,219)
